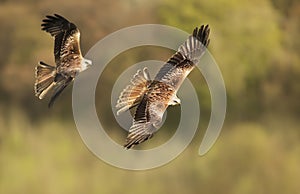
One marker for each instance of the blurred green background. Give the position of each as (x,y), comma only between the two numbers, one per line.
(256,46)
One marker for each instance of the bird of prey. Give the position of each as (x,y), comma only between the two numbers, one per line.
(68,58)
(152,97)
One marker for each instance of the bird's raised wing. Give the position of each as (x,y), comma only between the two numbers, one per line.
(133,93)
(184,60)
(66,36)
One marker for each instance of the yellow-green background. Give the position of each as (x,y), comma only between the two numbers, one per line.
(256,45)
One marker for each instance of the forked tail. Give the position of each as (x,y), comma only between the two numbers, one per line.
(44,79)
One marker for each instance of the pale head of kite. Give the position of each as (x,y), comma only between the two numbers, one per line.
(175,101)
(85,63)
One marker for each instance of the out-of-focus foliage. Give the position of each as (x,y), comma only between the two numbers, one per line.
(248,158)
(256,46)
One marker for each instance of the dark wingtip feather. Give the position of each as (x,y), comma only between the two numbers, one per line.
(59,16)
(55,24)
(202,34)
(127,146)
(55,95)
(131,142)
(58,91)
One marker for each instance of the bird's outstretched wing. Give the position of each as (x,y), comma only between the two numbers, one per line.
(66,35)
(184,60)
(146,121)
(58,88)
(149,113)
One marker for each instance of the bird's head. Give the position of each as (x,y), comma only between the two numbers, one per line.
(175,101)
(86,63)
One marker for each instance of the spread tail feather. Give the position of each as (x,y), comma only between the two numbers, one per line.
(44,79)
(132,94)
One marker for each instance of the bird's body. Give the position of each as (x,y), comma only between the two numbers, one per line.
(68,58)
(152,97)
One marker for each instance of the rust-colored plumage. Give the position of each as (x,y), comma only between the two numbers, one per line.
(152,97)
(68,58)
